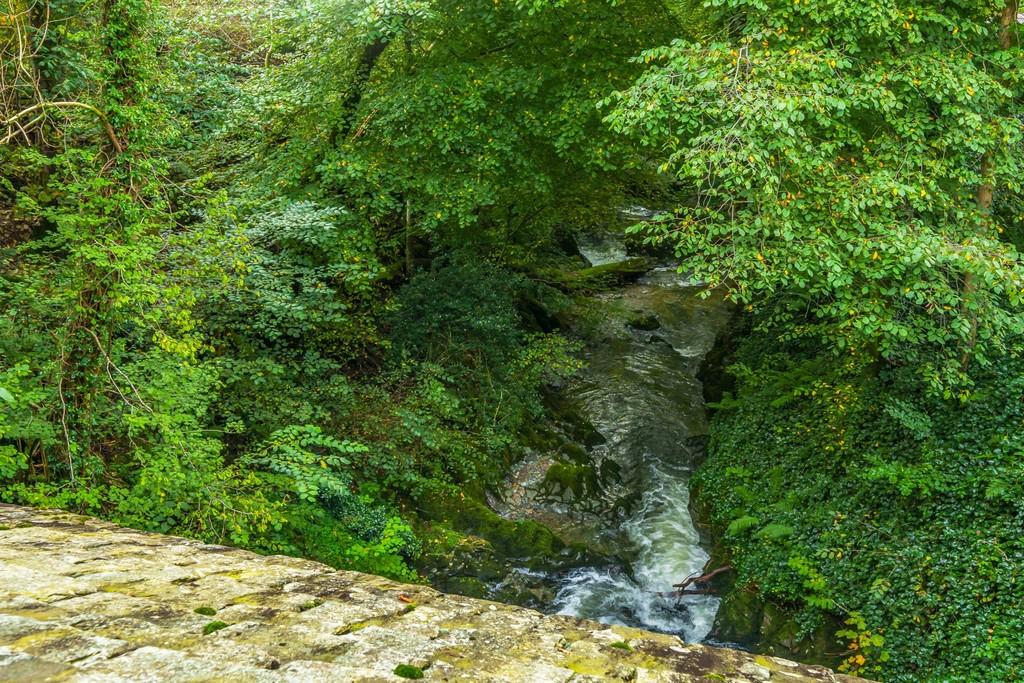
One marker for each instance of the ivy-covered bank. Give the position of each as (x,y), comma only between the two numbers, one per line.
(848,499)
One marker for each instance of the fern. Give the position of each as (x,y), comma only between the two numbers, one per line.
(775,531)
(741,524)
(315,462)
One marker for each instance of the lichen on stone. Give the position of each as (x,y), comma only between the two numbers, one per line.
(82,600)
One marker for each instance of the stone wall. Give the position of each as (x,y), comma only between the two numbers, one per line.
(84,600)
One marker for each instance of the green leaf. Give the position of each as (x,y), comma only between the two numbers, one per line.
(741,524)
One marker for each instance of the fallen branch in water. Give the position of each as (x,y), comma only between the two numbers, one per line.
(681,588)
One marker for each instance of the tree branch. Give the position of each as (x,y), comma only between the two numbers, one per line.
(104,122)
(699,579)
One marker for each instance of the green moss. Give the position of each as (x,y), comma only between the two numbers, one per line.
(565,476)
(213,626)
(622,645)
(205,611)
(520,539)
(643,321)
(588,666)
(470,586)
(409,671)
(310,605)
(603,276)
(360,625)
(575,453)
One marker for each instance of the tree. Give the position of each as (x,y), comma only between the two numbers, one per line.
(837,160)
(457,122)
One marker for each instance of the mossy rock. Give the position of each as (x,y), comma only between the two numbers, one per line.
(571,421)
(604,276)
(408,671)
(746,619)
(644,322)
(519,539)
(739,618)
(780,636)
(470,586)
(566,477)
(535,314)
(716,381)
(534,595)
(576,453)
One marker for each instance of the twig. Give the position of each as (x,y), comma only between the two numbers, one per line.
(700,579)
(64,412)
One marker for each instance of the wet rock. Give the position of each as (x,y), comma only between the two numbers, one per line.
(745,618)
(739,618)
(645,322)
(606,275)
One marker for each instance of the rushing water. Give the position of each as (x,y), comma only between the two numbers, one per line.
(599,250)
(641,393)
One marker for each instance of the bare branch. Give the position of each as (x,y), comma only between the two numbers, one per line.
(42,106)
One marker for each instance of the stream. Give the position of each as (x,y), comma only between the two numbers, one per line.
(641,394)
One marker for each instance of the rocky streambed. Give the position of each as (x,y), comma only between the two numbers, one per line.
(618,482)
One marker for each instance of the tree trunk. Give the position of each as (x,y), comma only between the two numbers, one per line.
(985,193)
(367,61)
(408,239)
(1007,20)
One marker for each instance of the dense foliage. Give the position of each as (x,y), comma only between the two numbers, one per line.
(849,172)
(247,302)
(287,275)
(842,159)
(842,491)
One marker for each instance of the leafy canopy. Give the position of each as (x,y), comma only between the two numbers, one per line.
(830,156)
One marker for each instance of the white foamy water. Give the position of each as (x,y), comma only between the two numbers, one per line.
(668,551)
(640,391)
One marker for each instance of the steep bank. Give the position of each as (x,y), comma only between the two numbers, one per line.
(848,499)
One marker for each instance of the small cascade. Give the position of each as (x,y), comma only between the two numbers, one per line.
(641,392)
